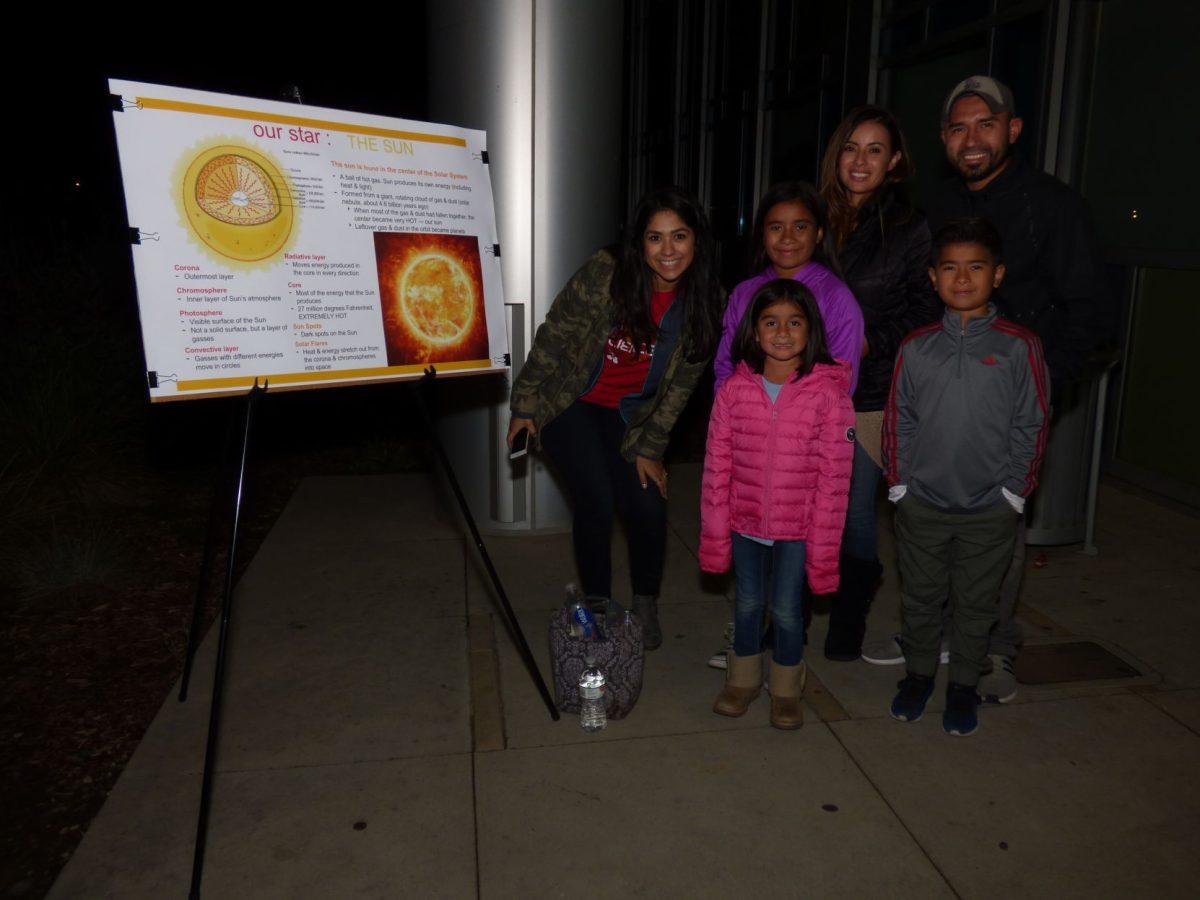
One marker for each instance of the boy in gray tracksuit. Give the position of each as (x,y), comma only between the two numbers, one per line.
(964,432)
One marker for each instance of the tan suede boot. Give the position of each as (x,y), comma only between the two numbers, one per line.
(743,682)
(786,686)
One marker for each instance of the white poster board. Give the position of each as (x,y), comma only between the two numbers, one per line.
(303,245)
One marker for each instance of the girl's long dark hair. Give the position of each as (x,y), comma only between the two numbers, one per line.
(790,192)
(781,290)
(843,217)
(699,291)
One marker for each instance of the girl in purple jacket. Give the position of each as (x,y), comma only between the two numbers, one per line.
(789,241)
(776,476)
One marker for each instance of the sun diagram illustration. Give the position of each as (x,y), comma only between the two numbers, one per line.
(237,203)
(431,296)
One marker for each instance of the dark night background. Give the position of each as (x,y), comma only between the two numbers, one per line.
(104,498)
(69,296)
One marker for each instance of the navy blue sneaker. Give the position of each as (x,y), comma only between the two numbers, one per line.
(915,691)
(962,715)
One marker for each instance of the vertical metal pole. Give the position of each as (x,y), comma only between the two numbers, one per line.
(513,624)
(763,124)
(1058,77)
(214,715)
(1089,539)
(206,561)
(873,66)
(704,125)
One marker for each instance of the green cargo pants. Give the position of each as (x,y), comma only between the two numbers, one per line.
(960,556)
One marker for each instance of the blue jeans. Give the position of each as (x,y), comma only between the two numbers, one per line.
(860,539)
(780,569)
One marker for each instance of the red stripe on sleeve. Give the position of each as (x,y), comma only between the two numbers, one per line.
(1033,348)
(889,432)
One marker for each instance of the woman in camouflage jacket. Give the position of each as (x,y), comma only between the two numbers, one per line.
(611,368)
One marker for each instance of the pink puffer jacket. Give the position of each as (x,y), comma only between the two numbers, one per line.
(779,470)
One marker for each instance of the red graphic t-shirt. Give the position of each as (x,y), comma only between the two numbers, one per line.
(625,369)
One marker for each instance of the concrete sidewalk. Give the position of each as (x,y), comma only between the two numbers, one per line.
(382,739)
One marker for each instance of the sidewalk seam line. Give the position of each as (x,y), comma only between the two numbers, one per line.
(475,825)
(1165,712)
(366,761)
(899,818)
(471,662)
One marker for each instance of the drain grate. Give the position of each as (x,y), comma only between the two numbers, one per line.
(1070,661)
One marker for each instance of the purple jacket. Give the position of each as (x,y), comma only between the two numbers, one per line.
(843,319)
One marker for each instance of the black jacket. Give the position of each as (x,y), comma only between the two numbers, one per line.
(1055,282)
(885,262)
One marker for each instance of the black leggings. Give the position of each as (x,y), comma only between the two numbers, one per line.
(584,443)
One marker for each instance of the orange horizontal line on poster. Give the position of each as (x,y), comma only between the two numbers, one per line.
(284,378)
(203,109)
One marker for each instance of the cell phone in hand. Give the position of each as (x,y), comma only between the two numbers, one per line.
(520,444)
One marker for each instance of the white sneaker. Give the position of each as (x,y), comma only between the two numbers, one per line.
(887,652)
(1000,684)
(719,660)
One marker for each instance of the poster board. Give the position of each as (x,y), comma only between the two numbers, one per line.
(303,245)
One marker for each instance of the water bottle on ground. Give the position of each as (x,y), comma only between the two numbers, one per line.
(592,716)
(583,623)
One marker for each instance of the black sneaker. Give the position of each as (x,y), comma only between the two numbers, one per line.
(962,714)
(915,691)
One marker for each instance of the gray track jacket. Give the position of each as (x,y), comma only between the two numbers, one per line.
(967,413)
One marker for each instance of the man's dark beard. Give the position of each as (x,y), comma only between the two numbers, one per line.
(997,163)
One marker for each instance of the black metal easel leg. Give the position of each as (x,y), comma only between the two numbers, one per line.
(514,626)
(210,543)
(214,716)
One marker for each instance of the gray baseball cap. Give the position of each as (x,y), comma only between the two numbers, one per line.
(994,93)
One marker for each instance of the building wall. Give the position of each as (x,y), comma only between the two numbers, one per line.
(727,97)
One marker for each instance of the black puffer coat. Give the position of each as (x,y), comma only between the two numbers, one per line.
(885,261)
(1055,281)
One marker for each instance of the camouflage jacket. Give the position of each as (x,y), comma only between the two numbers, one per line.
(567,354)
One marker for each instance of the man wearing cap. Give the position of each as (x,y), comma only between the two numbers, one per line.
(1054,280)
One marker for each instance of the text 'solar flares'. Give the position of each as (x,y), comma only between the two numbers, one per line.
(238,203)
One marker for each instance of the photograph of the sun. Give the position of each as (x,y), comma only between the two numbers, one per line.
(431,297)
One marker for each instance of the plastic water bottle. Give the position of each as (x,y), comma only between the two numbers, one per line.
(583,623)
(592,716)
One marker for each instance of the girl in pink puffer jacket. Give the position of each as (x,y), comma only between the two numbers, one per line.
(776,479)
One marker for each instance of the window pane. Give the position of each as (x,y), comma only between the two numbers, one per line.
(1162,352)
(1018,60)
(794,137)
(731,203)
(1142,116)
(951,14)
(916,94)
(733,120)
(660,64)
(903,35)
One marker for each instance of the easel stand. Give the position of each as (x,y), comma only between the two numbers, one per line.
(214,714)
(194,634)
(423,385)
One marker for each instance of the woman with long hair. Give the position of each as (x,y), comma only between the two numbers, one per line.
(611,369)
(882,246)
